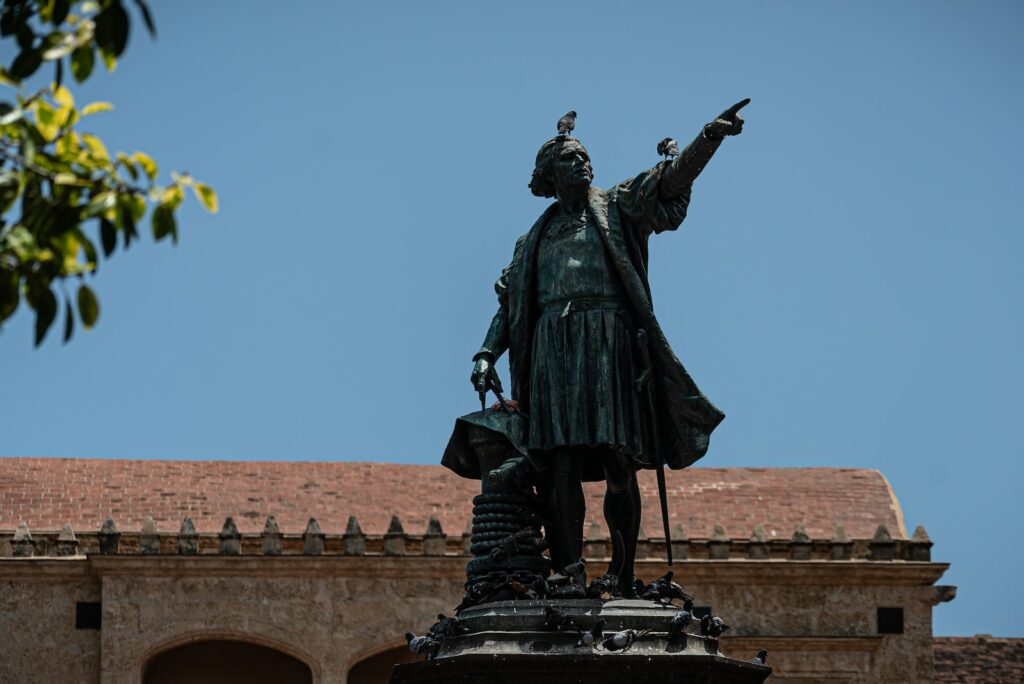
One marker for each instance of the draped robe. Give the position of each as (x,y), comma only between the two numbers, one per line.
(625,217)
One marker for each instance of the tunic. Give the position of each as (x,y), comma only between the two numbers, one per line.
(582,376)
(623,218)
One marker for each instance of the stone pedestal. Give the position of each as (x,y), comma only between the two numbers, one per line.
(507,643)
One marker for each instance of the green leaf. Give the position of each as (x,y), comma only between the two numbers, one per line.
(108,237)
(25,37)
(61,8)
(46,10)
(46,121)
(147,164)
(128,166)
(65,178)
(21,241)
(9,293)
(96,146)
(109,60)
(42,299)
(172,197)
(112,28)
(99,204)
(11,19)
(88,247)
(139,205)
(67,147)
(96,107)
(57,45)
(164,224)
(206,196)
(25,64)
(9,188)
(126,213)
(147,17)
(7,79)
(88,306)
(69,321)
(82,61)
(11,116)
(64,98)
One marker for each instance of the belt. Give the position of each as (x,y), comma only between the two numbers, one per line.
(585,304)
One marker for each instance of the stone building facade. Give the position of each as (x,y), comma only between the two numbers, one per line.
(132,572)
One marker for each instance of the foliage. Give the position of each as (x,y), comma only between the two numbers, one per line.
(61,192)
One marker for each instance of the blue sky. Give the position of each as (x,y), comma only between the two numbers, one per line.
(847,286)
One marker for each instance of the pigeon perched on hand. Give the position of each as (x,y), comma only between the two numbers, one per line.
(761,658)
(621,641)
(566,124)
(593,635)
(712,626)
(668,148)
(680,621)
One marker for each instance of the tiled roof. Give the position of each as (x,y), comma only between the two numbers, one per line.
(49,492)
(980,659)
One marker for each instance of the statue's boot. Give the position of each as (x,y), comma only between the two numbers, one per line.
(566,510)
(619,513)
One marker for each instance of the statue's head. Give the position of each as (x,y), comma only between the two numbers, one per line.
(562,162)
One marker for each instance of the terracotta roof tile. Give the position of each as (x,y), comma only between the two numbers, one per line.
(980,659)
(48,492)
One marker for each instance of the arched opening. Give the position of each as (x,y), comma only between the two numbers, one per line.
(376,669)
(221,661)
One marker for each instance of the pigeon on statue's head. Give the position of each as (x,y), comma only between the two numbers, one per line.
(567,123)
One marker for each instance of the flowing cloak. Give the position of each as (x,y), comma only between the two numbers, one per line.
(626,216)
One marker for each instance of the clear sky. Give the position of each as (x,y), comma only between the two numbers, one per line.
(847,286)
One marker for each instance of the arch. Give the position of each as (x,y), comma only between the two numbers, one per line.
(373,666)
(224,657)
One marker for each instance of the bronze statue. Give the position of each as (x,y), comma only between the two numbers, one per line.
(601,390)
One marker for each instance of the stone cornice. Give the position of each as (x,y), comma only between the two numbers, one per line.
(799,642)
(813,572)
(737,572)
(46,570)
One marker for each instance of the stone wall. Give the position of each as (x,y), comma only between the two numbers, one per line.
(38,638)
(332,601)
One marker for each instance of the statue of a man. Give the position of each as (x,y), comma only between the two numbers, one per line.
(570,305)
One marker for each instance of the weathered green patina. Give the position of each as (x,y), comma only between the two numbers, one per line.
(600,391)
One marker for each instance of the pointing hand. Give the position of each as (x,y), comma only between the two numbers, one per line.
(728,122)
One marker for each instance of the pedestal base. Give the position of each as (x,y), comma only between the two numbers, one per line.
(611,668)
(507,643)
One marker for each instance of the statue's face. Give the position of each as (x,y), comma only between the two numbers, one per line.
(572,166)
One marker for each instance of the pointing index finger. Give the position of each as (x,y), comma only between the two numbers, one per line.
(732,111)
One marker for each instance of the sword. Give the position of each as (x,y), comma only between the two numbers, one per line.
(644,384)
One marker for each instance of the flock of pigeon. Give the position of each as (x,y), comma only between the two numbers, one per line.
(662,590)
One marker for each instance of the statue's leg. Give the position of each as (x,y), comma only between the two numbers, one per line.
(567,507)
(622,514)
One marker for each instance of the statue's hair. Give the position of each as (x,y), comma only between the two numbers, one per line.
(542,183)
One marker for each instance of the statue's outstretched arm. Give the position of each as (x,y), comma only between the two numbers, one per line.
(685,168)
